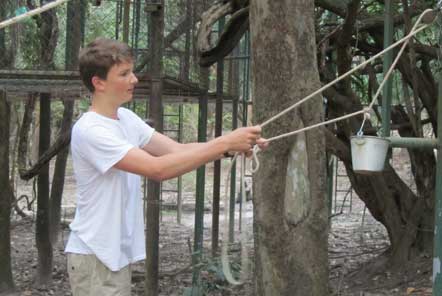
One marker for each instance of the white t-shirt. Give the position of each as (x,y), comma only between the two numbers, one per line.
(109,215)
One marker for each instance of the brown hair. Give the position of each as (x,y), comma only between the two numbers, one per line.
(99,56)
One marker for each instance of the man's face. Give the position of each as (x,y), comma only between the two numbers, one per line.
(120,82)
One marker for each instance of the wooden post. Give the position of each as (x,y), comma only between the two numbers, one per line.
(156,114)
(126,19)
(6,195)
(42,239)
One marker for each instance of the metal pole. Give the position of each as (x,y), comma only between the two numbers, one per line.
(218,133)
(83,10)
(388,59)
(136,30)
(180,178)
(126,20)
(437,252)
(233,89)
(117,19)
(330,178)
(233,177)
(200,185)
(154,188)
(246,78)
(415,143)
(247,85)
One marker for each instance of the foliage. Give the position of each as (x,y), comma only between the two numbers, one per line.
(212,278)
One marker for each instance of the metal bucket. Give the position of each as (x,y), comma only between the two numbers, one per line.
(368,153)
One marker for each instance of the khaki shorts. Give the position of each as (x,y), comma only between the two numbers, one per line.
(89,277)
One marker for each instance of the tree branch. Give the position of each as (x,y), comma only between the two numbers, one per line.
(62,141)
(235,28)
(209,17)
(24,133)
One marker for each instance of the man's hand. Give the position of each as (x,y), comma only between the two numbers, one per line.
(243,139)
(262,143)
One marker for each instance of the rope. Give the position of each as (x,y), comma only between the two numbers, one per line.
(411,34)
(243,237)
(255,164)
(33,12)
(404,40)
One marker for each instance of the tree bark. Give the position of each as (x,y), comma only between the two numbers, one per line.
(290,204)
(6,193)
(24,134)
(59,175)
(6,196)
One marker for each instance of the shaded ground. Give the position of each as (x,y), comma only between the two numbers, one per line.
(351,246)
(355,240)
(355,254)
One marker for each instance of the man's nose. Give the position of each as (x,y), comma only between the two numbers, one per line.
(134,79)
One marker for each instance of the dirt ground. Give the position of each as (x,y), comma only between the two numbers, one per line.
(355,241)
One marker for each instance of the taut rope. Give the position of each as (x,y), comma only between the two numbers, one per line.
(30,13)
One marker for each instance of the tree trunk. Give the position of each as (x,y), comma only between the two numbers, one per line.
(290,204)
(42,233)
(407,217)
(59,174)
(48,41)
(6,193)
(73,38)
(6,196)
(7,57)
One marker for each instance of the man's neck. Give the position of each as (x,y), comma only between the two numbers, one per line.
(103,106)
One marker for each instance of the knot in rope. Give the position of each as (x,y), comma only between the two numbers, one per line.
(367,112)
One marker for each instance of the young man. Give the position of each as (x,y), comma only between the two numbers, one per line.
(111,147)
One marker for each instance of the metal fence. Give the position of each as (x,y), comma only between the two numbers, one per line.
(40,42)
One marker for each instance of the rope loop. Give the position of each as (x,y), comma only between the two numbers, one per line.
(367,116)
(255,160)
(224,246)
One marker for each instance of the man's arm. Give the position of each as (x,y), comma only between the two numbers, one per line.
(160,145)
(172,163)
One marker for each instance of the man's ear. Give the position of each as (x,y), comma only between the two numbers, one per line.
(98,83)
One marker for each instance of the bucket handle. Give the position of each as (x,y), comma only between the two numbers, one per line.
(360,133)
